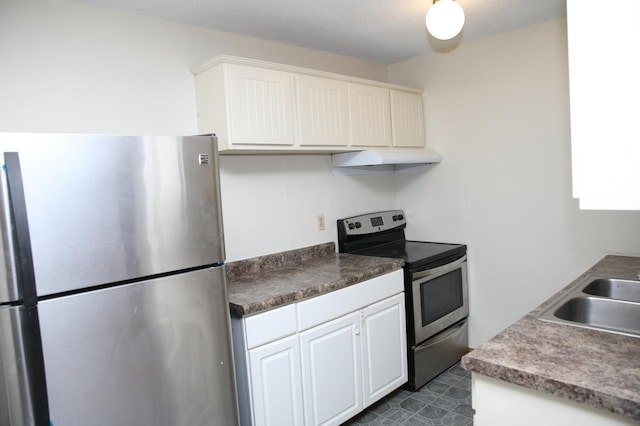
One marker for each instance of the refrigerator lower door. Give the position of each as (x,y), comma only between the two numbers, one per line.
(23,394)
(154,353)
(15,403)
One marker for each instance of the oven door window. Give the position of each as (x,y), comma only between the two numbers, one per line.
(441,296)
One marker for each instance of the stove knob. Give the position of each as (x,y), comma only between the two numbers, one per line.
(358,225)
(400,217)
(395,217)
(351,226)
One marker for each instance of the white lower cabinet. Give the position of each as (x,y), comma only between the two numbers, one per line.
(499,403)
(323,360)
(332,371)
(353,361)
(384,350)
(276,385)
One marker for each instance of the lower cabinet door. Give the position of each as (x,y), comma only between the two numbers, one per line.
(276,386)
(332,371)
(384,345)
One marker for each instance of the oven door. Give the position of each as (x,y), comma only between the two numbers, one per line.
(439,298)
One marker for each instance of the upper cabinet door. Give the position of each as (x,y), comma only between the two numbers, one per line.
(370,114)
(407,115)
(260,106)
(322,111)
(604,92)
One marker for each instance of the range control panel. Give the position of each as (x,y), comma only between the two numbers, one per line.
(372,223)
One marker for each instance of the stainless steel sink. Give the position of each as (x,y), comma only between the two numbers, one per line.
(599,303)
(614,288)
(602,313)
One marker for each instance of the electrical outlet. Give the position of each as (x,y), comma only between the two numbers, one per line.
(320,220)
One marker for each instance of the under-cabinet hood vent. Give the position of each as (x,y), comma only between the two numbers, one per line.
(385,160)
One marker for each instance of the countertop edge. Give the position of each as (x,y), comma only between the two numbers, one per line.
(549,386)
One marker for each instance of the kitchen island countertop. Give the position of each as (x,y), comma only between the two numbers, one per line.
(592,367)
(262,283)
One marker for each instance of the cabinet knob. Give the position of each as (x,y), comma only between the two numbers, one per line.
(357,330)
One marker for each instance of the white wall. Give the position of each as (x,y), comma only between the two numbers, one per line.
(498,111)
(71,68)
(273,201)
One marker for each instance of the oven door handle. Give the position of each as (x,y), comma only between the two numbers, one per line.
(440,269)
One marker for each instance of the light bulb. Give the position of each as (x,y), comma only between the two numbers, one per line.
(445,19)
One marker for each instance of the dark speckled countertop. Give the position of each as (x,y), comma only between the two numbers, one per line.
(592,367)
(267,282)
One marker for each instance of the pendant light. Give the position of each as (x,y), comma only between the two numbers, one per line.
(445,19)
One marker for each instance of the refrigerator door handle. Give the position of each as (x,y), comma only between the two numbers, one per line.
(30,324)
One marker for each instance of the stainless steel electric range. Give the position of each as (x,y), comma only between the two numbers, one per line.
(436,299)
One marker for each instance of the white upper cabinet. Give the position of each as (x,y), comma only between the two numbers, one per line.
(604,92)
(407,115)
(256,106)
(260,106)
(246,106)
(322,111)
(370,113)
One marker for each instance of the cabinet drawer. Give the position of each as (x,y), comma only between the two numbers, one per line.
(269,326)
(332,305)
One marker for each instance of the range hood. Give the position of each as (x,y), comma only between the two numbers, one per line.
(377,157)
(387,160)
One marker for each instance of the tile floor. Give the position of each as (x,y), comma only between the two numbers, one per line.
(445,401)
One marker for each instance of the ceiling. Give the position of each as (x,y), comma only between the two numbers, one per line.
(384,31)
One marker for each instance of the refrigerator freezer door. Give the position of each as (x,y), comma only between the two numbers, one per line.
(8,284)
(106,209)
(155,353)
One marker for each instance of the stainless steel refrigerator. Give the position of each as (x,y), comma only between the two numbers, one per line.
(113,305)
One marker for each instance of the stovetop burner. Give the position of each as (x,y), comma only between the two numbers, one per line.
(382,234)
(417,254)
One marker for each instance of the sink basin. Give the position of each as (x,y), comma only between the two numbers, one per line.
(599,303)
(615,315)
(616,289)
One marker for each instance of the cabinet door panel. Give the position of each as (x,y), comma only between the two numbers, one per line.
(261,106)
(332,375)
(384,348)
(322,111)
(370,114)
(276,386)
(408,120)
(604,130)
